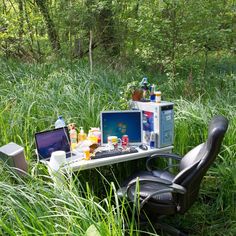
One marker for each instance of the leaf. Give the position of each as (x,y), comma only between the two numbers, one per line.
(92,231)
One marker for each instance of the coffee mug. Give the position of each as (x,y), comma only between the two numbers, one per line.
(113,141)
(58,158)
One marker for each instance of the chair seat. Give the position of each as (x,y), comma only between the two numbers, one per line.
(162,204)
(149,188)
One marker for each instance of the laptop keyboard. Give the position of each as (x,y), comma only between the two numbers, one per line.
(115,152)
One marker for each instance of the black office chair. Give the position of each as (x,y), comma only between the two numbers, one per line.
(161,193)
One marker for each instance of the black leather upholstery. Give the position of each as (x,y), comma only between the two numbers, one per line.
(163,174)
(192,168)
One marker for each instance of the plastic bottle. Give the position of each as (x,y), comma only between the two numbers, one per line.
(92,137)
(152,140)
(82,135)
(145,87)
(73,136)
(60,122)
(152,93)
(96,132)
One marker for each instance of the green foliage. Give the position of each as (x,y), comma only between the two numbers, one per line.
(156,35)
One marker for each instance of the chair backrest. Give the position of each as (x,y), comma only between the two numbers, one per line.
(195,163)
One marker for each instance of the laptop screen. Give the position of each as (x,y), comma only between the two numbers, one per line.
(119,123)
(52,140)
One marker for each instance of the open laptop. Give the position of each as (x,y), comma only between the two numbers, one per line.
(53,140)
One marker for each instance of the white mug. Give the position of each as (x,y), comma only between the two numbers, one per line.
(58,158)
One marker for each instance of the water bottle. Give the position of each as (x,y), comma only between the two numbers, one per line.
(152,140)
(60,122)
(152,93)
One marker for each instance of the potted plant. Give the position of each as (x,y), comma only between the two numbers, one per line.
(134,91)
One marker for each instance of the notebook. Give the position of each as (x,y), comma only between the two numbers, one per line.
(53,140)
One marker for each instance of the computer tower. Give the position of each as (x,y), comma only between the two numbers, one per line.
(158,122)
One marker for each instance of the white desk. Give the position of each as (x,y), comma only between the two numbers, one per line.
(89,164)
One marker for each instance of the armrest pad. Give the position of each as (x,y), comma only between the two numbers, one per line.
(152,179)
(149,179)
(162,155)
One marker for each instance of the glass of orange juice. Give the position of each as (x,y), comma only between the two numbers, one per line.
(86,152)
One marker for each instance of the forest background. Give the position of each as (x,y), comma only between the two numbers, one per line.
(159,35)
(75,58)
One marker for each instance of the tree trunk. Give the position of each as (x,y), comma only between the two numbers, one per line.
(21,24)
(52,32)
(90,51)
(108,36)
(30,29)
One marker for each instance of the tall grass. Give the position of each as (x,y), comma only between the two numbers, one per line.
(35,207)
(31,98)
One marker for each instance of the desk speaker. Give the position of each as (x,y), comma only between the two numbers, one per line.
(13,155)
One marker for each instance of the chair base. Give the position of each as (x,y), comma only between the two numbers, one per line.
(170,230)
(162,228)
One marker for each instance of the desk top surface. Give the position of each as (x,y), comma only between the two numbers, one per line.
(89,164)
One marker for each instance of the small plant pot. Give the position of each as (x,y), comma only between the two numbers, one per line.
(137,95)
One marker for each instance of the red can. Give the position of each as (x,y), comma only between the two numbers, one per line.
(125,141)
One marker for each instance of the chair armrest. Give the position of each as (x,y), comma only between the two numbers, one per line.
(152,179)
(171,166)
(162,155)
(168,187)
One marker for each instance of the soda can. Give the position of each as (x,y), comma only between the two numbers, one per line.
(125,141)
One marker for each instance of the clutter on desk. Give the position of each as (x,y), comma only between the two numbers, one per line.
(152,142)
(82,135)
(133,91)
(57,160)
(73,135)
(94,135)
(86,151)
(112,141)
(152,93)
(145,87)
(60,122)
(158,96)
(90,145)
(143,91)
(102,153)
(125,141)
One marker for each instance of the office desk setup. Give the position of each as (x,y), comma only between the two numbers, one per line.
(147,123)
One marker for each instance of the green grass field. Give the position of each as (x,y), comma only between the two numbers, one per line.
(31,98)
